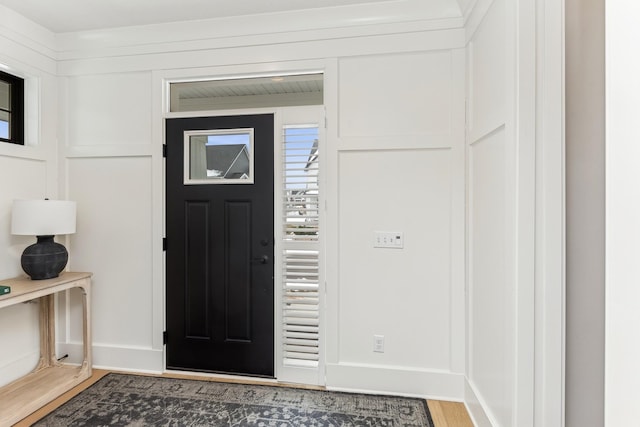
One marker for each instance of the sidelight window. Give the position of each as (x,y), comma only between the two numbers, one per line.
(301,247)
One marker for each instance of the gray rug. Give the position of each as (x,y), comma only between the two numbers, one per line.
(133,400)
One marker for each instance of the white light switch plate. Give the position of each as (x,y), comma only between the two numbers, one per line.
(388,239)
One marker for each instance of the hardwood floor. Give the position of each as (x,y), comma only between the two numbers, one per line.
(444,414)
(449,414)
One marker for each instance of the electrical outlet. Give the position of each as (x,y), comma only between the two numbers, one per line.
(378,343)
(388,239)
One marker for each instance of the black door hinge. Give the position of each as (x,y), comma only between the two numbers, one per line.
(165,337)
(164,243)
(164,150)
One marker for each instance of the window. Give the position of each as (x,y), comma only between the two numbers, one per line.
(221,156)
(11,109)
(301,183)
(255,92)
(301,257)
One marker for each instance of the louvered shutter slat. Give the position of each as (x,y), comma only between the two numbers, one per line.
(301,310)
(301,335)
(301,219)
(289,356)
(300,183)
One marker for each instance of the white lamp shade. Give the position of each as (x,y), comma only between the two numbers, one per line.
(43,217)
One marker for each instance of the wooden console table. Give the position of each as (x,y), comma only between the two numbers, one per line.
(50,378)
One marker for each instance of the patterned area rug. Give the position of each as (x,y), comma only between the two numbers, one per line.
(134,400)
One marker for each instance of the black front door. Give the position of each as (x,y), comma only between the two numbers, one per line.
(219,254)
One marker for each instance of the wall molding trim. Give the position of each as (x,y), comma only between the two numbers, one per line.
(36,39)
(105,356)
(18,367)
(475,407)
(115,150)
(397,380)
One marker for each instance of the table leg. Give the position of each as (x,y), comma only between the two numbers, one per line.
(86,327)
(47,333)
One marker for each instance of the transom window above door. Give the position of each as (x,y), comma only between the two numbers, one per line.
(252,92)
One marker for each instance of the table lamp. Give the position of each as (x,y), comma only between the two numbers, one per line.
(44,259)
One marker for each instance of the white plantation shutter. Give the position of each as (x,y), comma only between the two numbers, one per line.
(301,306)
(301,247)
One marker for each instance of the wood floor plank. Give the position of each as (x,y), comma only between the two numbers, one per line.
(437,414)
(444,414)
(449,414)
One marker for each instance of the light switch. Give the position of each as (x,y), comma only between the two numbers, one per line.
(388,239)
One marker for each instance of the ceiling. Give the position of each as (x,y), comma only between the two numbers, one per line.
(61,16)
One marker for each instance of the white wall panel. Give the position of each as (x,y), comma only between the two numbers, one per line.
(622,346)
(501,210)
(113,241)
(30,179)
(487,73)
(21,331)
(399,293)
(396,380)
(491,289)
(400,157)
(404,94)
(551,230)
(110,109)
(25,172)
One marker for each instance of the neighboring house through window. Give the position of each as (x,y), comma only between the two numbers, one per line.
(228,161)
(11,109)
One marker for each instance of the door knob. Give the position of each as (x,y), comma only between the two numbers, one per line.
(262,260)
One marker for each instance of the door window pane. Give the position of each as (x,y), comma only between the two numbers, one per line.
(219,157)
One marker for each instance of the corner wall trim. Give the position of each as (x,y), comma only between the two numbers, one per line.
(475,407)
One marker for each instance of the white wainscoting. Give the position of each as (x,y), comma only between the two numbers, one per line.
(113,240)
(399,166)
(22,178)
(396,380)
(117,357)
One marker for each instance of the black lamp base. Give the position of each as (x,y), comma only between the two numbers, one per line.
(44,259)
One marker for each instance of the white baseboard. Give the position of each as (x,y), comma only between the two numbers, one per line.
(475,407)
(395,381)
(129,359)
(18,368)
